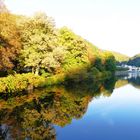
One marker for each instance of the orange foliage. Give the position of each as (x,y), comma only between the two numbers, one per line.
(9,40)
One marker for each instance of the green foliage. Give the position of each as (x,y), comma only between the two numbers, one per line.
(98,64)
(76,49)
(110,64)
(119,57)
(19,82)
(55,79)
(40,45)
(81,54)
(34,44)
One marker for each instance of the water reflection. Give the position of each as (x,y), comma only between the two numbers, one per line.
(36,115)
(131,78)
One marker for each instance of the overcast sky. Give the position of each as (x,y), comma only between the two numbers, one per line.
(108,24)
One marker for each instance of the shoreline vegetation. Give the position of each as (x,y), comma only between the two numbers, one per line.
(34,53)
(29,81)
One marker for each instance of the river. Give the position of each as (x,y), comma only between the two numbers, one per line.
(91,110)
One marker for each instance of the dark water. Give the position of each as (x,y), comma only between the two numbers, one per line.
(103,110)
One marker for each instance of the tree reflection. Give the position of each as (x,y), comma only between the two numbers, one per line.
(135,81)
(33,116)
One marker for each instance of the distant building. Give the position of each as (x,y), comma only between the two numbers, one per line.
(130,68)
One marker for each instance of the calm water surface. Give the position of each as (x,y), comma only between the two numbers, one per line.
(105,110)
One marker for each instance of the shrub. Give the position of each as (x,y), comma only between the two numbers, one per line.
(19,82)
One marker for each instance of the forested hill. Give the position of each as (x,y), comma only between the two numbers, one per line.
(123,59)
(134,61)
(120,57)
(33,50)
(35,43)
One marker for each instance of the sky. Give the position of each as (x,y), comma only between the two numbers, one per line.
(108,24)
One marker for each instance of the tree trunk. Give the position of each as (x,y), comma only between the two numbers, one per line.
(33,70)
(37,71)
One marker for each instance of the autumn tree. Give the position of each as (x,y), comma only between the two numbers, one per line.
(40,44)
(9,41)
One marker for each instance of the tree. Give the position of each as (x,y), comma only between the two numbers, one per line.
(110,63)
(40,44)
(98,64)
(9,41)
(75,46)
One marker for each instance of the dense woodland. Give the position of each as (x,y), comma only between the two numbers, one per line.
(134,61)
(33,51)
(131,61)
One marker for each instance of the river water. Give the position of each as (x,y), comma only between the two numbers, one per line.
(101,110)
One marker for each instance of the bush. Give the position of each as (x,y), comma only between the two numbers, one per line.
(20,82)
(56,79)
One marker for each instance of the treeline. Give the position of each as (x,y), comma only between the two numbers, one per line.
(120,57)
(34,44)
(134,61)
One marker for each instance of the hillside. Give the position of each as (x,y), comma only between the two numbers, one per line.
(120,57)
(134,61)
(56,55)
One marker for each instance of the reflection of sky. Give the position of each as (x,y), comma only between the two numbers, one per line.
(108,118)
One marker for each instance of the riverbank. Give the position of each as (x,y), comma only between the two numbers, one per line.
(24,82)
